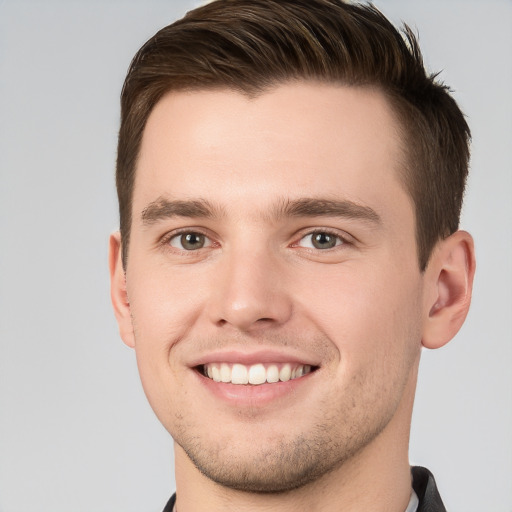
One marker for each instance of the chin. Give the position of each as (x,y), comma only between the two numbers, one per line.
(276,467)
(266,473)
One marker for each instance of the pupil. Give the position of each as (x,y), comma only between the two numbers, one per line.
(323,241)
(192,241)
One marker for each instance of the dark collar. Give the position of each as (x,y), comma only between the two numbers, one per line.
(170,504)
(425,487)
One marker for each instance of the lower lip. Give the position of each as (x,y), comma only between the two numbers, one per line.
(253,395)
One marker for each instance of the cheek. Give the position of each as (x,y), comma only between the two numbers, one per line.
(162,304)
(367,313)
(160,307)
(373,321)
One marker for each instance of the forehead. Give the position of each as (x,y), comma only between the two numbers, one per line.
(293,140)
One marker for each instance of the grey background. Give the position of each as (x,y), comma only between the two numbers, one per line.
(76,433)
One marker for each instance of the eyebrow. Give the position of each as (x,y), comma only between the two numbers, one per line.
(164,208)
(314,207)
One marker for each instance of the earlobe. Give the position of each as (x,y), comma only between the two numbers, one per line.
(118,292)
(449,283)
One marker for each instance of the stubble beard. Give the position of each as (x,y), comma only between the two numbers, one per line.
(336,429)
(284,464)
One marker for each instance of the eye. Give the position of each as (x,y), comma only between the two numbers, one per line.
(189,241)
(320,240)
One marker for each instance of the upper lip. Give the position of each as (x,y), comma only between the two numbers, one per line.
(249,358)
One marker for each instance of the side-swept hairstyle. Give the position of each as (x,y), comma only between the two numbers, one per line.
(251,45)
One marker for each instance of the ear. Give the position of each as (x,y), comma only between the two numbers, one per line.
(118,293)
(449,283)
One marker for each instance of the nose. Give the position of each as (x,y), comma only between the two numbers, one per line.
(251,292)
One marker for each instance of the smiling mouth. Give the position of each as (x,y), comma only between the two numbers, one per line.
(255,374)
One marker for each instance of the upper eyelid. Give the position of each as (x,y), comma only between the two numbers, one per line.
(180,231)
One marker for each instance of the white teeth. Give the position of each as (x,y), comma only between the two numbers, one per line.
(216,373)
(225,373)
(255,374)
(239,374)
(300,371)
(273,373)
(285,373)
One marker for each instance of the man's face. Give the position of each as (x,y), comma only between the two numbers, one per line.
(272,238)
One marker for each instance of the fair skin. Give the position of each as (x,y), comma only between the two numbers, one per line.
(274,233)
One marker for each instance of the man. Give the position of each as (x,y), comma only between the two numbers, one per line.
(290,184)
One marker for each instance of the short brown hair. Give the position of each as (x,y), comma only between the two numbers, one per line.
(250,45)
